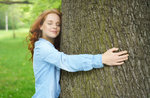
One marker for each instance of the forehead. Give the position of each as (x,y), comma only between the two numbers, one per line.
(53,17)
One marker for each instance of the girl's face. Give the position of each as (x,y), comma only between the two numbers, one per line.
(51,26)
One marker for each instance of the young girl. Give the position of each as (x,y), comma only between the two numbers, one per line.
(47,60)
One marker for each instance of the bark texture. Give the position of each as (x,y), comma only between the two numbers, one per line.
(92,27)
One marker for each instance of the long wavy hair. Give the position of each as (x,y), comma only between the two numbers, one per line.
(35,33)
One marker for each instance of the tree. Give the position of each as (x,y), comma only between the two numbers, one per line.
(12,13)
(23,15)
(92,27)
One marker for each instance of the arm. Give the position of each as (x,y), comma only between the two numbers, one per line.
(71,63)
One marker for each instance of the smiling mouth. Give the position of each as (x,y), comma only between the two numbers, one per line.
(54,31)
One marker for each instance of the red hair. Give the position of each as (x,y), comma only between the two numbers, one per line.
(36,33)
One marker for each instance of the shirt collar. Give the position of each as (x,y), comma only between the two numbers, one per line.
(44,40)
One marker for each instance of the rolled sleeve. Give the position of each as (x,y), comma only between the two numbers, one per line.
(97,61)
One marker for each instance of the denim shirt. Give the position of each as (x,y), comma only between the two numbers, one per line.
(47,62)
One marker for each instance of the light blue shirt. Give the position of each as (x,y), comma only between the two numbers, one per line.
(47,62)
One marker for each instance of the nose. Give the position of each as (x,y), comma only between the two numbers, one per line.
(54,26)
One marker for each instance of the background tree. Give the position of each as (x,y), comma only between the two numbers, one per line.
(14,16)
(22,13)
(93,26)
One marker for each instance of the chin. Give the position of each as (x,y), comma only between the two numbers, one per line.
(53,36)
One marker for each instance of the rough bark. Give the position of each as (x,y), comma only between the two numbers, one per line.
(92,27)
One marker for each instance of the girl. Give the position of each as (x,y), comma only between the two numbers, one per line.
(47,60)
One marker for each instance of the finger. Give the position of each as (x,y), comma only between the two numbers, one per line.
(120,63)
(114,49)
(124,56)
(121,60)
(122,52)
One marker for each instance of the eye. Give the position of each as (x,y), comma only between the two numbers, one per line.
(58,25)
(49,23)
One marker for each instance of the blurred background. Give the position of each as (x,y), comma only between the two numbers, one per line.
(16,72)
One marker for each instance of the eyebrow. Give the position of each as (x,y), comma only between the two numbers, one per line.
(52,21)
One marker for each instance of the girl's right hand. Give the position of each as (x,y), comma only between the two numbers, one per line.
(110,58)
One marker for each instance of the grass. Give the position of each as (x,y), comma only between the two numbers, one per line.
(16,72)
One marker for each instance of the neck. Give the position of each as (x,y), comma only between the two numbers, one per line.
(51,40)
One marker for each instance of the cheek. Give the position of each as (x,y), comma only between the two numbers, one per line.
(43,28)
(58,29)
(47,26)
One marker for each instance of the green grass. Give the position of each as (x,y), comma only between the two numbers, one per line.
(16,72)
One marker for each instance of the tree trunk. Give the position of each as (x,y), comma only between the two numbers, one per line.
(92,27)
(6,21)
(13,27)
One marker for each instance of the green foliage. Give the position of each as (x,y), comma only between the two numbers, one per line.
(3,9)
(44,5)
(16,72)
(23,15)
(2,20)
(14,15)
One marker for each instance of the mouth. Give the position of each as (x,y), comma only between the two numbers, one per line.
(54,32)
